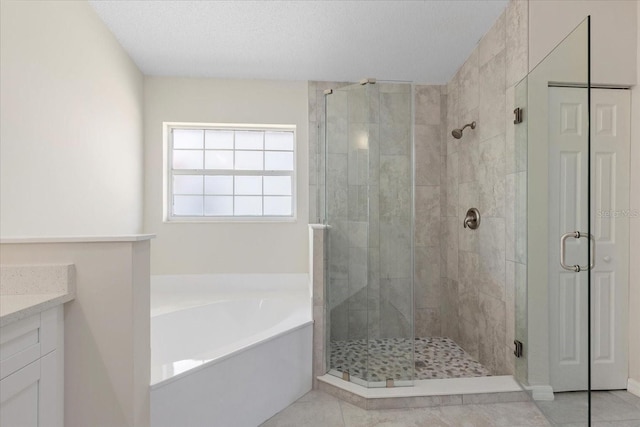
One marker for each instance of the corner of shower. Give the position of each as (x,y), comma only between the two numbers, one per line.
(366,167)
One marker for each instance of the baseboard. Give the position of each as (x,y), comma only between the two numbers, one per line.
(540,392)
(633,386)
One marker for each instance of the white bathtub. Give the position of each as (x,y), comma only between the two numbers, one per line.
(228,350)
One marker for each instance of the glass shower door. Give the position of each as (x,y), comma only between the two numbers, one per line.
(369,213)
(553,231)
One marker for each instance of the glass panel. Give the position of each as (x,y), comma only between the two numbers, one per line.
(188,138)
(249,140)
(248,205)
(187,159)
(249,160)
(278,141)
(277,206)
(218,139)
(187,184)
(218,184)
(248,185)
(277,185)
(218,206)
(368,194)
(278,161)
(552,198)
(218,159)
(187,205)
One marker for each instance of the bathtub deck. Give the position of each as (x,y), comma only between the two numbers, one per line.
(391,358)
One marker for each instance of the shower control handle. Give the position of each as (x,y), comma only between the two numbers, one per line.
(472,219)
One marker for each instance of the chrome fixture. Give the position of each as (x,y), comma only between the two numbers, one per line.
(327,92)
(576,235)
(457,133)
(368,80)
(472,219)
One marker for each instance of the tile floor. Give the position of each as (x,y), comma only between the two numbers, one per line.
(380,359)
(318,409)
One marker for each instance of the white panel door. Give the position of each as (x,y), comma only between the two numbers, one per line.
(568,157)
(568,204)
(610,150)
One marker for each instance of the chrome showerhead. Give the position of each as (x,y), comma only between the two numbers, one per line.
(457,133)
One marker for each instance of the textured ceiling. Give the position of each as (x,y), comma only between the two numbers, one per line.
(419,41)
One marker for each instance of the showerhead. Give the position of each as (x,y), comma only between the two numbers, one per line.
(457,133)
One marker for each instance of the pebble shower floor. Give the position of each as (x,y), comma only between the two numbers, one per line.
(390,358)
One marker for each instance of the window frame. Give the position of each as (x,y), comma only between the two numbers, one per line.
(168,172)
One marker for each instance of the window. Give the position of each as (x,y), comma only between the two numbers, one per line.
(231,172)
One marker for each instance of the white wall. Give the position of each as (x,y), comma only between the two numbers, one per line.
(613,35)
(71,124)
(280,247)
(634,225)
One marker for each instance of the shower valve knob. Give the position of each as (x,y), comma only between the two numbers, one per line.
(472,219)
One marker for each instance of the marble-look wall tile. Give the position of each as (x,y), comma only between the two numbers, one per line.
(469,339)
(510,303)
(357,324)
(395,187)
(491,271)
(452,185)
(469,306)
(444,124)
(521,317)
(450,245)
(395,324)
(427,287)
(427,207)
(427,104)
(337,185)
(395,107)
(491,177)
(469,94)
(339,323)
(468,275)
(493,41)
(491,325)
(517,40)
(492,97)
(443,186)
(395,139)
(521,217)
(395,248)
(510,132)
(449,318)
(427,154)
(317,275)
(427,322)
(338,253)
(358,279)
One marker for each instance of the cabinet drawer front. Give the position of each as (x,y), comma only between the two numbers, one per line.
(19,345)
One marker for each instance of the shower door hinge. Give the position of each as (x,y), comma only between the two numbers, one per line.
(519,348)
(518,112)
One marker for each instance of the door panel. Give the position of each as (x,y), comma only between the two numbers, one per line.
(609,222)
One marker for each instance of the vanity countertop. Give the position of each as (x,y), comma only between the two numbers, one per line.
(26,290)
(17,307)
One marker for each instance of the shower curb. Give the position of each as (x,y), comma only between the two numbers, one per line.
(333,387)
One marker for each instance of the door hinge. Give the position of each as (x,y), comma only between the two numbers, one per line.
(519,348)
(519,113)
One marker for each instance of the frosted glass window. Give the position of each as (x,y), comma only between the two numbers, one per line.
(188,138)
(229,171)
(277,185)
(249,140)
(278,161)
(249,160)
(218,159)
(248,205)
(218,205)
(187,159)
(218,184)
(248,185)
(187,205)
(187,184)
(218,139)
(278,141)
(280,206)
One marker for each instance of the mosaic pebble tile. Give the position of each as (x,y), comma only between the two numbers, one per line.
(393,358)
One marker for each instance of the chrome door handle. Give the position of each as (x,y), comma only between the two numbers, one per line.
(576,235)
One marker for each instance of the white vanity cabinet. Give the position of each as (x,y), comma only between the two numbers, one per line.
(32,370)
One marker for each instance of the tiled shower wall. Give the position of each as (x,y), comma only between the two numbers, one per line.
(466,283)
(389,254)
(480,266)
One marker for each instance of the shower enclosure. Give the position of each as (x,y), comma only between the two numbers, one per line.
(369,216)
